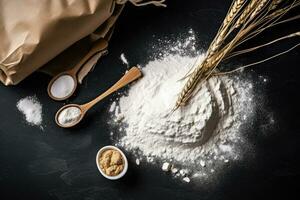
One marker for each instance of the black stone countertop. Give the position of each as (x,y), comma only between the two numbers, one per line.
(60,164)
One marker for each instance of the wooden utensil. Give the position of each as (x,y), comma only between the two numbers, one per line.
(133,74)
(99,46)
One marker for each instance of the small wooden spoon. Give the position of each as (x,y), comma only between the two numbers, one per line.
(72,73)
(133,74)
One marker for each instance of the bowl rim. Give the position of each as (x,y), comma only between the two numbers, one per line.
(124,158)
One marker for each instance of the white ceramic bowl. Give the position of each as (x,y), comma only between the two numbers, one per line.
(124,159)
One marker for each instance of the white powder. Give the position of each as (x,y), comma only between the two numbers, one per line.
(32,110)
(198,138)
(137,161)
(69,116)
(174,170)
(124,59)
(62,87)
(166,166)
(186,179)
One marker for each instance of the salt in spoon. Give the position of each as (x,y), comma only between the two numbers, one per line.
(133,74)
(72,73)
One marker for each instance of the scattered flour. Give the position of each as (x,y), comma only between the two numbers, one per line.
(166,166)
(137,161)
(174,170)
(198,138)
(32,110)
(186,179)
(124,59)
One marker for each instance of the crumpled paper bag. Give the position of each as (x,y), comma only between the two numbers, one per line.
(33,32)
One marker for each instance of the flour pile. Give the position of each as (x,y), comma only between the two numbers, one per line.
(195,140)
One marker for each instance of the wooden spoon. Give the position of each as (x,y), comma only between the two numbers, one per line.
(133,74)
(99,46)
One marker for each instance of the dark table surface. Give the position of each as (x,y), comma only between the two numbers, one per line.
(60,164)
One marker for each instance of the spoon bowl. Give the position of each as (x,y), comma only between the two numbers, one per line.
(69,92)
(69,125)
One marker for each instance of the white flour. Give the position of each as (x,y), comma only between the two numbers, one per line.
(124,59)
(69,116)
(32,110)
(199,138)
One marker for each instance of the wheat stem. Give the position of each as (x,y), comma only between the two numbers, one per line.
(263,26)
(261,46)
(258,62)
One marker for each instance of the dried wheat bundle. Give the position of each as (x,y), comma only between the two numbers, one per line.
(244,20)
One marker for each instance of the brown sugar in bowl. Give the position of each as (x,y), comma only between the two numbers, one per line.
(111,162)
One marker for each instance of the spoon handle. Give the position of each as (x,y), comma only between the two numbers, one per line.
(133,74)
(99,45)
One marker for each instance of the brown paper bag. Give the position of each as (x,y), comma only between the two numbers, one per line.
(33,32)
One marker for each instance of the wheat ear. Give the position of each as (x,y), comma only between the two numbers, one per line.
(246,13)
(275,4)
(220,37)
(258,8)
(253,17)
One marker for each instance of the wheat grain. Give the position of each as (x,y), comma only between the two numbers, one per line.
(202,71)
(234,10)
(246,13)
(189,86)
(275,4)
(259,8)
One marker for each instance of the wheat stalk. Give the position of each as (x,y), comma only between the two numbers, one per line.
(251,18)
